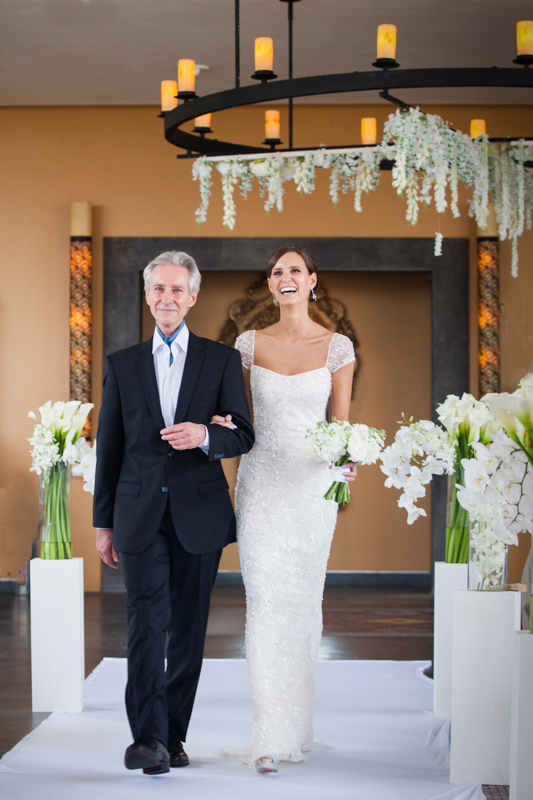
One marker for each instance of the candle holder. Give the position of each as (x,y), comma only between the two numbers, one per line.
(186,95)
(272,143)
(524,60)
(202,124)
(263,75)
(385,63)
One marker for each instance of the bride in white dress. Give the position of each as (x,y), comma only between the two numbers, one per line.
(284,524)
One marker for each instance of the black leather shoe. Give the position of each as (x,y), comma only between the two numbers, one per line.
(177,757)
(148,754)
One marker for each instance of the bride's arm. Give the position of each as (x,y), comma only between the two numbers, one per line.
(246,373)
(341,393)
(226,421)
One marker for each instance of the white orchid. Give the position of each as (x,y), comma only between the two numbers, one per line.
(500,499)
(470,501)
(419,451)
(86,464)
(476,477)
(486,457)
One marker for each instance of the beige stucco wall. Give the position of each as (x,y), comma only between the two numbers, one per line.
(117,159)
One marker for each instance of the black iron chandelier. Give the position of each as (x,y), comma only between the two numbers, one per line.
(385,78)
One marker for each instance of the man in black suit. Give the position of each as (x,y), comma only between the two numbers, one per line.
(161,500)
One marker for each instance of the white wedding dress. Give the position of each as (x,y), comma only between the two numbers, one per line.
(284,533)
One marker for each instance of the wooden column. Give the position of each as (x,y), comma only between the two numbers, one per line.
(81,306)
(488,262)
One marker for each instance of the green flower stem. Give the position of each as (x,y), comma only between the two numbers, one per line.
(457,528)
(57,542)
(339,490)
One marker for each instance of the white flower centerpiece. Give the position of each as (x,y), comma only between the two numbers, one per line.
(56,444)
(467,422)
(423,449)
(498,484)
(337,443)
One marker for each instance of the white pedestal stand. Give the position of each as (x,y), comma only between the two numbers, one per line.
(484,626)
(57,634)
(449,578)
(521,780)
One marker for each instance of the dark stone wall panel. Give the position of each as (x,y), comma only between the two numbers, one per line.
(126,257)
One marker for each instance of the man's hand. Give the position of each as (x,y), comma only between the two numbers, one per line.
(185,436)
(224,421)
(104,545)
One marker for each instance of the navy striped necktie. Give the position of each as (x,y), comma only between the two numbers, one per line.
(169,339)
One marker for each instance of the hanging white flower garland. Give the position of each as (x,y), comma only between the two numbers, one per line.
(429,158)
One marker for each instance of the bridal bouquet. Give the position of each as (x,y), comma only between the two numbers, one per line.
(338,443)
(56,444)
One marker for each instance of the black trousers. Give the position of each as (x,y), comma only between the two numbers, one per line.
(168,592)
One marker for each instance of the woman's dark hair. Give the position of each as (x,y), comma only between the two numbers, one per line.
(301,251)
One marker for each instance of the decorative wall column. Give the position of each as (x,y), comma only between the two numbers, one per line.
(81,306)
(488,262)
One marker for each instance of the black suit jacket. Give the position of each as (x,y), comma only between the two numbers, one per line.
(136,471)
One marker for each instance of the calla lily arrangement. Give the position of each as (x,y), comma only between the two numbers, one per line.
(57,443)
(497,490)
(55,436)
(467,421)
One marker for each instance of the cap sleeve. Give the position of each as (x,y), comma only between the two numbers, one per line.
(245,346)
(340,353)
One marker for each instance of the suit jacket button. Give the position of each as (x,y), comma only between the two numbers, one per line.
(164,488)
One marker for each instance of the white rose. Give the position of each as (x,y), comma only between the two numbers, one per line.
(259,168)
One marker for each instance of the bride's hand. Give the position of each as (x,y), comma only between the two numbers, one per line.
(224,421)
(350,471)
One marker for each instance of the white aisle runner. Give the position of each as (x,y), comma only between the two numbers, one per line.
(382,742)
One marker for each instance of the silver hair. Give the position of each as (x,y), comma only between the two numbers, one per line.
(177,259)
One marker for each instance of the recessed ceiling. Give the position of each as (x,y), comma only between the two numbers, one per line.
(116,52)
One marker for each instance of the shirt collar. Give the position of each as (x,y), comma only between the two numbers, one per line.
(181,341)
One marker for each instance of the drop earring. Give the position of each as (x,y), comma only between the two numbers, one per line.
(274,299)
(313,294)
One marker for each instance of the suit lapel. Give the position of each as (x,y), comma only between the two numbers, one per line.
(193,364)
(149,381)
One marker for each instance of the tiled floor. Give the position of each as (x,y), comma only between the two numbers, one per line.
(496,792)
(359,623)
